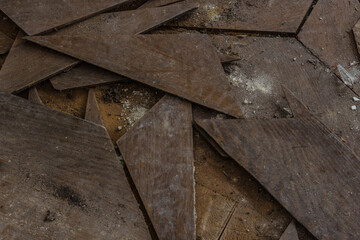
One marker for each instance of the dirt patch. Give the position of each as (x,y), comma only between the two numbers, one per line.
(70,196)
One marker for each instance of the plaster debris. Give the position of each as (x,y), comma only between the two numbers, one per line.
(356,99)
(346,77)
(353,107)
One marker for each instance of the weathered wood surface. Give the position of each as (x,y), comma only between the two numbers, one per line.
(354,70)
(185,65)
(254,15)
(28,64)
(290,232)
(298,108)
(33,96)
(19,75)
(328,31)
(37,17)
(158,152)
(303,165)
(158,3)
(92,109)
(5,43)
(61,178)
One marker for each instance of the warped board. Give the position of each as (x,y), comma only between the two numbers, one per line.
(28,64)
(5,43)
(33,96)
(37,17)
(254,15)
(300,162)
(185,65)
(92,109)
(158,152)
(290,232)
(61,178)
(328,35)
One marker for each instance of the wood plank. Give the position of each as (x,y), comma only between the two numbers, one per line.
(37,17)
(264,16)
(300,162)
(290,232)
(158,152)
(355,69)
(298,108)
(65,183)
(185,65)
(158,3)
(5,43)
(17,74)
(92,109)
(33,96)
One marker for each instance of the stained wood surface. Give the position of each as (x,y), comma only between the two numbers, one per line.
(158,152)
(44,63)
(63,180)
(267,16)
(37,17)
(355,70)
(298,108)
(290,232)
(158,3)
(33,96)
(299,161)
(5,43)
(92,109)
(328,31)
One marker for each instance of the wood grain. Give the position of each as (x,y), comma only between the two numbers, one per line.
(290,232)
(5,43)
(37,17)
(92,109)
(61,178)
(185,65)
(33,96)
(158,152)
(300,162)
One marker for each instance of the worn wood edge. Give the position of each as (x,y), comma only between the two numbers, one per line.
(147,4)
(33,96)
(291,228)
(224,58)
(298,108)
(92,112)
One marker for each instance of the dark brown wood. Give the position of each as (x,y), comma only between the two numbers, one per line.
(158,3)
(303,165)
(92,109)
(265,16)
(328,35)
(158,152)
(185,65)
(290,232)
(5,43)
(227,59)
(37,17)
(63,179)
(33,96)
(355,69)
(298,108)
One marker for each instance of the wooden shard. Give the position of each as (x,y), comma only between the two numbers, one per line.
(227,59)
(63,180)
(92,109)
(298,108)
(158,152)
(29,63)
(37,17)
(5,43)
(33,96)
(290,232)
(300,162)
(185,65)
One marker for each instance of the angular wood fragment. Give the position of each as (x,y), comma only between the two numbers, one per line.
(44,63)
(158,152)
(290,232)
(298,108)
(33,96)
(300,162)
(5,43)
(227,59)
(37,17)
(65,183)
(185,65)
(92,109)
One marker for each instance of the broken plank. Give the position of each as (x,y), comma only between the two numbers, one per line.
(299,161)
(185,65)
(158,152)
(290,232)
(33,96)
(64,180)
(37,17)
(5,43)
(257,16)
(92,109)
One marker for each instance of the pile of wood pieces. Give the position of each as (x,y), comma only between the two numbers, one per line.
(206,120)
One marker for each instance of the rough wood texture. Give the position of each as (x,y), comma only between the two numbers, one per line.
(92,109)
(355,70)
(290,232)
(37,17)
(63,179)
(298,108)
(26,65)
(5,43)
(158,3)
(327,31)
(299,161)
(252,15)
(33,96)
(158,152)
(185,65)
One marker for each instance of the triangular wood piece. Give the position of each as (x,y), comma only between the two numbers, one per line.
(158,152)
(185,65)
(92,109)
(35,17)
(224,58)
(5,43)
(28,64)
(33,96)
(302,164)
(290,232)
(298,108)
(63,180)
